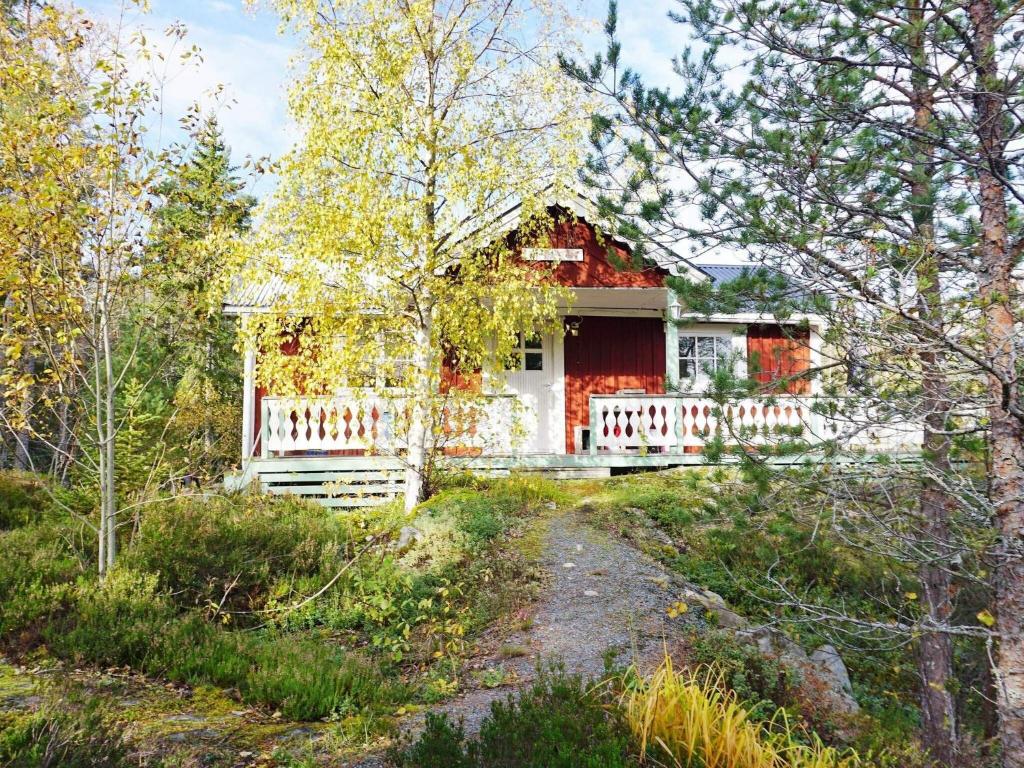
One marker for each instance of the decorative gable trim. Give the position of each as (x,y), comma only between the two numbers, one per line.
(553,254)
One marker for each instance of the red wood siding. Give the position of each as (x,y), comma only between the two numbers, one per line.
(775,353)
(609,354)
(596,270)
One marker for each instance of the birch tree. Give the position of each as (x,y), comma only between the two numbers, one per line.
(78,167)
(421,122)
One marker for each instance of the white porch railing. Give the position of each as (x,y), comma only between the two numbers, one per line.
(365,422)
(664,424)
(673,423)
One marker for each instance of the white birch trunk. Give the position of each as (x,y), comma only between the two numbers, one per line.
(419,415)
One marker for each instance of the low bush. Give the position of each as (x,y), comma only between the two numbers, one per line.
(309,678)
(691,719)
(65,734)
(36,557)
(230,551)
(118,621)
(23,499)
(763,684)
(556,723)
(126,620)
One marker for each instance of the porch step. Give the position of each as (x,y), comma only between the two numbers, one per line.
(335,488)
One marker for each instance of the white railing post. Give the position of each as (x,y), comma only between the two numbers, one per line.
(265,429)
(594,420)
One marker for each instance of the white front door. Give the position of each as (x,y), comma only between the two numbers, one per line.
(530,375)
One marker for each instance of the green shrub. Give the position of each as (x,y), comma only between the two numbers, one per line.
(556,723)
(40,565)
(64,735)
(309,678)
(441,743)
(762,684)
(23,499)
(117,621)
(209,550)
(195,651)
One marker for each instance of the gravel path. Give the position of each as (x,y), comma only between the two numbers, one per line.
(602,596)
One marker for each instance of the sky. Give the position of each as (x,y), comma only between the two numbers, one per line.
(243,51)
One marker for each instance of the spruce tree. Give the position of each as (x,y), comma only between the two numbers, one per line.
(202,199)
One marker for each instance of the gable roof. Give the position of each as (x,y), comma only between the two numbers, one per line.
(581,205)
(243,297)
(721,274)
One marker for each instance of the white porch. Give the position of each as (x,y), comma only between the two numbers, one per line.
(343,451)
(619,424)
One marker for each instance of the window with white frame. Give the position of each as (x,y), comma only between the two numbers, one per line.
(702,354)
(527,355)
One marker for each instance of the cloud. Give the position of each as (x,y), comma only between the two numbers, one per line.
(239,52)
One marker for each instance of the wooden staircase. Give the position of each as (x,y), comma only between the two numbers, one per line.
(351,485)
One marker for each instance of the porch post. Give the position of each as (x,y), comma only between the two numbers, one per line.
(672,309)
(248,406)
(672,312)
(593,425)
(248,399)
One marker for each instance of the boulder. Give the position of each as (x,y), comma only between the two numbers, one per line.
(828,658)
(824,668)
(714,605)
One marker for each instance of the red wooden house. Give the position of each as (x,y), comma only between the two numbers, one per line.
(622,386)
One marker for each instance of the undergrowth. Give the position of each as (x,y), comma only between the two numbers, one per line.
(335,611)
(62,734)
(558,722)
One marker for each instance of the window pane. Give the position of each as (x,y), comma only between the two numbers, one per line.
(514,362)
(686,344)
(686,368)
(723,347)
(706,347)
(534,361)
(534,342)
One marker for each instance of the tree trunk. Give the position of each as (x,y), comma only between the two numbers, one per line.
(22,460)
(996,289)
(935,648)
(420,412)
(100,422)
(108,477)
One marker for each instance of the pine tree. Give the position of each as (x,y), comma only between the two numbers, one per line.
(202,199)
(858,152)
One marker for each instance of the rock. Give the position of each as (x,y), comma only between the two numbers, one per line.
(551,505)
(407,536)
(661,537)
(728,619)
(772,642)
(590,593)
(831,663)
(713,599)
(202,734)
(185,717)
(824,666)
(21,702)
(568,565)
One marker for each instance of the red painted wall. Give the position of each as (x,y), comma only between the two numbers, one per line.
(609,354)
(775,353)
(596,270)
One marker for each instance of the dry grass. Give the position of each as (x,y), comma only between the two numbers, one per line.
(687,719)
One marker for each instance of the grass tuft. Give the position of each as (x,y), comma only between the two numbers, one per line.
(688,719)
